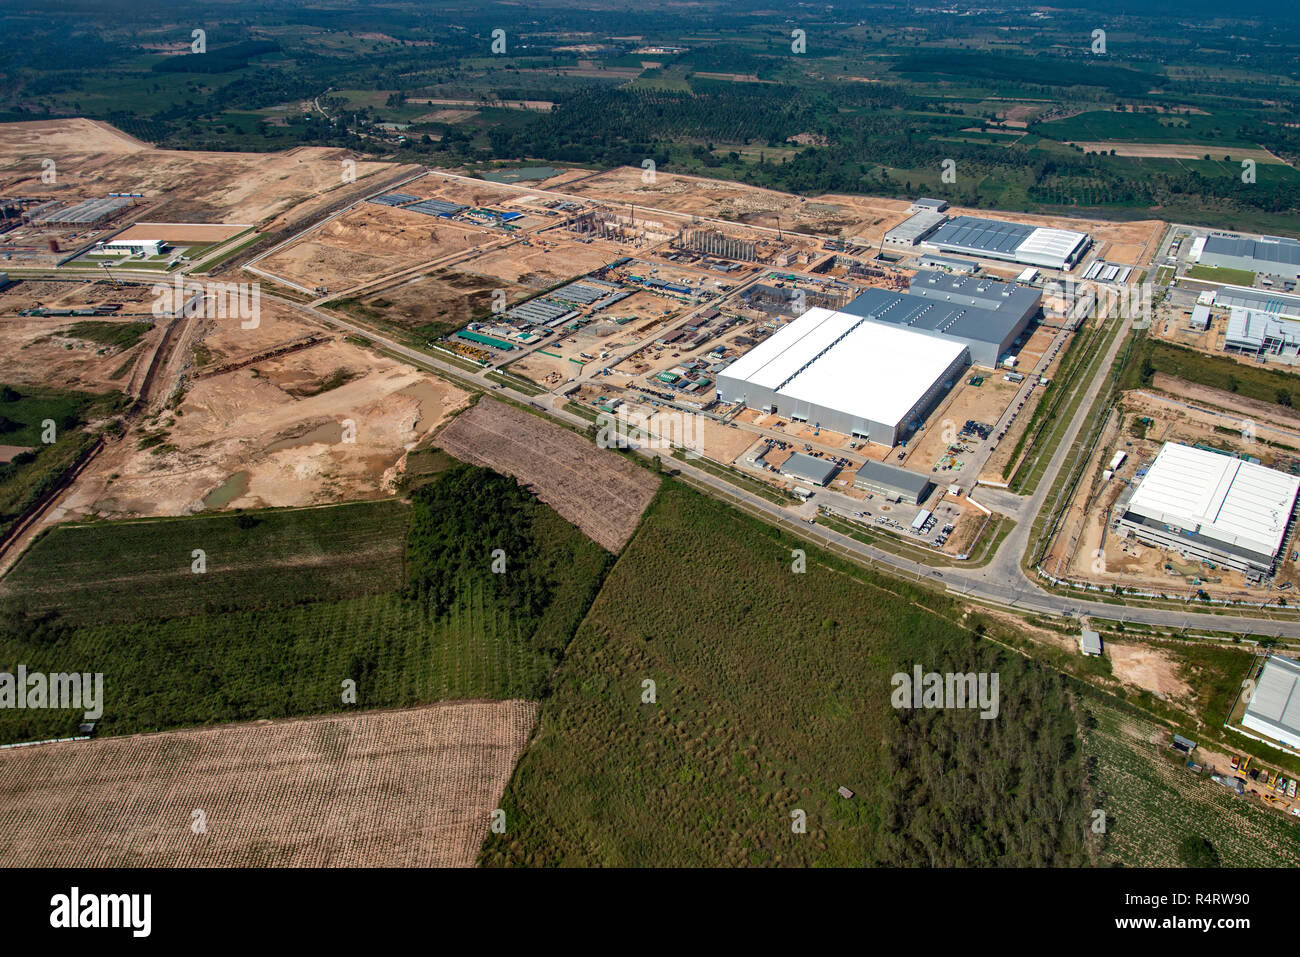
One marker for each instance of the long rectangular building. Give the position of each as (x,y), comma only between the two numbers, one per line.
(1013,242)
(985,315)
(846,373)
(1213,507)
(1271,255)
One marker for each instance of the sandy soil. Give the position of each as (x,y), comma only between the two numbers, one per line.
(595,489)
(34,353)
(93,159)
(414,788)
(367,242)
(257,427)
(1148,668)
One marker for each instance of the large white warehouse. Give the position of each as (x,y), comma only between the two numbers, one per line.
(847,374)
(1213,507)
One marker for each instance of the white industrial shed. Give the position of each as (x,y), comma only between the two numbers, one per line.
(1274,708)
(847,374)
(1214,507)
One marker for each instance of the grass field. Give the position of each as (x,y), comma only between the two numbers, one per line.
(25,420)
(1222,274)
(290,655)
(772,689)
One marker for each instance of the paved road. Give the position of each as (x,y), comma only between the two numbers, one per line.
(1000,582)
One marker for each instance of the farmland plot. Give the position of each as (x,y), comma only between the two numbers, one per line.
(1152,803)
(597,490)
(413,788)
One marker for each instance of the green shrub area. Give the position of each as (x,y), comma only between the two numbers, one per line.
(1217,372)
(772,689)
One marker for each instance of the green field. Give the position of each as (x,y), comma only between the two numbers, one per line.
(1222,274)
(323,614)
(773,690)
(25,420)
(127,571)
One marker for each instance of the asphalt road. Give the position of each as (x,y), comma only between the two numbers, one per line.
(1001,581)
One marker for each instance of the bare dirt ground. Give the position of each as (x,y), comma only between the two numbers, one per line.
(37,353)
(1148,668)
(595,489)
(181,232)
(540,267)
(93,159)
(259,436)
(413,788)
(750,205)
(444,295)
(368,242)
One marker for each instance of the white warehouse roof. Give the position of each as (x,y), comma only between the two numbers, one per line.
(1218,496)
(1047,243)
(875,370)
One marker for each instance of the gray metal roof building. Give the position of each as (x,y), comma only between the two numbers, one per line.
(915,228)
(393,199)
(1274,708)
(808,468)
(984,314)
(436,207)
(892,482)
(1260,300)
(1273,255)
(1013,242)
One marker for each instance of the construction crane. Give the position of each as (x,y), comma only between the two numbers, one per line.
(108,272)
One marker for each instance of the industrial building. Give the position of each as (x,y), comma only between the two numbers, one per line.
(1211,506)
(1274,709)
(985,315)
(1259,333)
(1281,304)
(913,230)
(131,247)
(892,483)
(88,213)
(846,373)
(1013,242)
(1271,255)
(809,468)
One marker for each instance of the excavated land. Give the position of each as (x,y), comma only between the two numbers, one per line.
(413,788)
(328,423)
(94,159)
(370,241)
(597,490)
